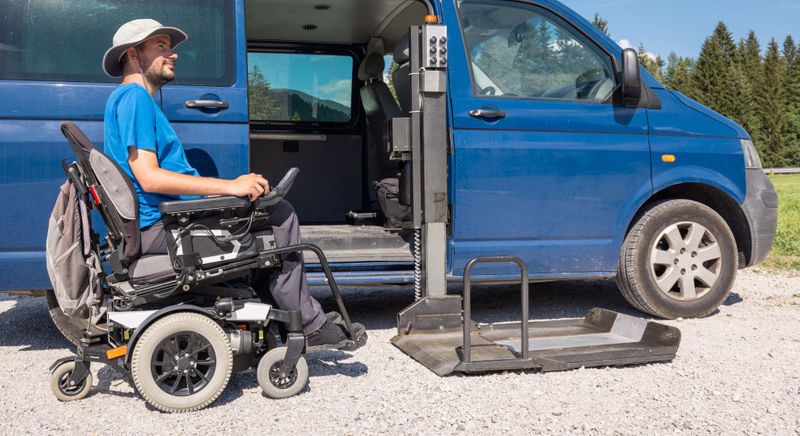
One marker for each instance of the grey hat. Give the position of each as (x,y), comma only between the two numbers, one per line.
(133,33)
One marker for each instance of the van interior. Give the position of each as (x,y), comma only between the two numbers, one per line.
(324,77)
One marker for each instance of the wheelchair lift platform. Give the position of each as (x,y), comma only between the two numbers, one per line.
(438,333)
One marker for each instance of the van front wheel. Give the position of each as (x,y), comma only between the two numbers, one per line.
(678,261)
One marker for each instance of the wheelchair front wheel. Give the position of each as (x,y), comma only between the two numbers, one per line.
(269,377)
(182,362)
(62,389)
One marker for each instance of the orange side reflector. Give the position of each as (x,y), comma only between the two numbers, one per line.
(668,158)
(117,352)
(431,19)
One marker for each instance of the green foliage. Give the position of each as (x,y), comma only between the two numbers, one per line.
(601,24)
(786,249)
(260,102)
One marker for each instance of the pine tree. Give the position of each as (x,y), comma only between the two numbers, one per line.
(601,24)
(789,50)
(261,104)
(773,105)
(792,135)
(655,65)
(679,73)
(714,78)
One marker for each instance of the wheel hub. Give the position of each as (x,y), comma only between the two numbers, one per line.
(685,261)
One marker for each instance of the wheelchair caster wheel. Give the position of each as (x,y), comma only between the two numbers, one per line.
(269,377)
(63,389)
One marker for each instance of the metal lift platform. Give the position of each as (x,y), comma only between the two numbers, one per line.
(439,333)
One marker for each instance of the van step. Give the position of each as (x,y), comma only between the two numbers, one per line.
(348,244)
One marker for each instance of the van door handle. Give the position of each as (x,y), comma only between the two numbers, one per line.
(206,104)
(487,113)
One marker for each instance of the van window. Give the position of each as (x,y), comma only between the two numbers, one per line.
(521,50)
(66,40)
(301,88)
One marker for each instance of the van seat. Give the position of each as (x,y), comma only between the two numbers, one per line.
(400,78)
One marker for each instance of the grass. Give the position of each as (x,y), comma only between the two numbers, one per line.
(786,250)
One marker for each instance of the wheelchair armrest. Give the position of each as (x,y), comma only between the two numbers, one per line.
(278,192)
(202,205)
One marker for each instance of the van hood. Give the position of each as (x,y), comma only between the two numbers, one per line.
(738,130)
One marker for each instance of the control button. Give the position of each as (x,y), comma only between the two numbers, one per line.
(433,50)
(433,40)
(433,61)
(442,50)
(443,40)
(443,60)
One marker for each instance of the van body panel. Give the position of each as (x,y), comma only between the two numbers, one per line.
(738,130)
(676,118)
(546,183)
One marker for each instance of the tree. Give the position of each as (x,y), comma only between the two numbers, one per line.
(713,77)
(261,103)
(655,65)
(601,24)
(679,73)
(773,105)
(789,50)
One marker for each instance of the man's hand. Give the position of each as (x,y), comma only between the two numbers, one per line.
(249,185)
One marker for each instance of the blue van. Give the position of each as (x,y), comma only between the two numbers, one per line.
(490,127)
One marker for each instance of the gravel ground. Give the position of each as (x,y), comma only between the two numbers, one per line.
(736,372)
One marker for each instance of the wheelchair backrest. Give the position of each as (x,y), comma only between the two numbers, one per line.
(112,192)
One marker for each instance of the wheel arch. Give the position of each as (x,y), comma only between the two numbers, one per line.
(718,199)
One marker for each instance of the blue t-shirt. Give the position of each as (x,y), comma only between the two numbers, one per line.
(133,119)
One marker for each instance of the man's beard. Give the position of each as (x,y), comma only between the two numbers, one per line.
(160,77)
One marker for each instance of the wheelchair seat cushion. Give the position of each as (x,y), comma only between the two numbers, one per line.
(151,269)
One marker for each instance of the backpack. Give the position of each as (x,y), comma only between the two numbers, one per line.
(72,265)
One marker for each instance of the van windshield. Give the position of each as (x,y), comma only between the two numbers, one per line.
(300,88)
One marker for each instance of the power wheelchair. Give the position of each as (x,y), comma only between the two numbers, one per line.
(177,325)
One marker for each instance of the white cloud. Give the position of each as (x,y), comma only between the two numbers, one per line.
(339,91)
(624,43)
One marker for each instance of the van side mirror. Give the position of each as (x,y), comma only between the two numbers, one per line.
(631,77)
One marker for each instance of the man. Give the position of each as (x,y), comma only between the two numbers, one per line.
(140,138)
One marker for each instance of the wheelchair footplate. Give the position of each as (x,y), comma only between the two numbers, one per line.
(438,333)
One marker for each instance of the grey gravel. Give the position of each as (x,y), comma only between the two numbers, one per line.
(736,372)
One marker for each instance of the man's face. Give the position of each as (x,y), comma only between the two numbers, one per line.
(158,60)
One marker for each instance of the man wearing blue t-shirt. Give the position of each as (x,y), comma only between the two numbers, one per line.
(141,140)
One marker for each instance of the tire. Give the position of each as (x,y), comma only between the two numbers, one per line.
(203,366)
(60,388)
(679,260)
(271,383)
(71,328)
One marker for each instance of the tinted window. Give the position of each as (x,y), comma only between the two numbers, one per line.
(300,87)
(65,40)
(517,49)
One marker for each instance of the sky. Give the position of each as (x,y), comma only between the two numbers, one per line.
(682,25)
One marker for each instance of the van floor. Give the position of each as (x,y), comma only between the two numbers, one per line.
(344,243)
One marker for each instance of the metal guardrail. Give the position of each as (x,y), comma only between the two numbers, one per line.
(772,171)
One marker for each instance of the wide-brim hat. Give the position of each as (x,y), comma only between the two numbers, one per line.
(133,33)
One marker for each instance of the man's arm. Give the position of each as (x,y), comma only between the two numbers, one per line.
(153,178)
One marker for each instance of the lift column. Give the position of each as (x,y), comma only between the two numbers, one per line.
(429,59)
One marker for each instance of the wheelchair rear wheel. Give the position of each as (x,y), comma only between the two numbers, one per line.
(182,362)
(270,380)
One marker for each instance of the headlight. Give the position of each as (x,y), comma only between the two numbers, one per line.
(751,159)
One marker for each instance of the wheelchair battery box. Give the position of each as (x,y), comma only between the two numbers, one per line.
(213,251)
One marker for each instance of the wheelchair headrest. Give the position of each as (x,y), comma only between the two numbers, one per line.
(80,144)
(401,50)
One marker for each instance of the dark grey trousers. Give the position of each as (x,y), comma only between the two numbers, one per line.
(288,286)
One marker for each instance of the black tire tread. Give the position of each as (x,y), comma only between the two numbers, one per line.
(626,278)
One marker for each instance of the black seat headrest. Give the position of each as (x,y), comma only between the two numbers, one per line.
(402,50)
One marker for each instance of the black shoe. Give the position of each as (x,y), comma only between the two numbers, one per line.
(330,335)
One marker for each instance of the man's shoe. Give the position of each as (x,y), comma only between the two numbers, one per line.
(333,336)
(330,335)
